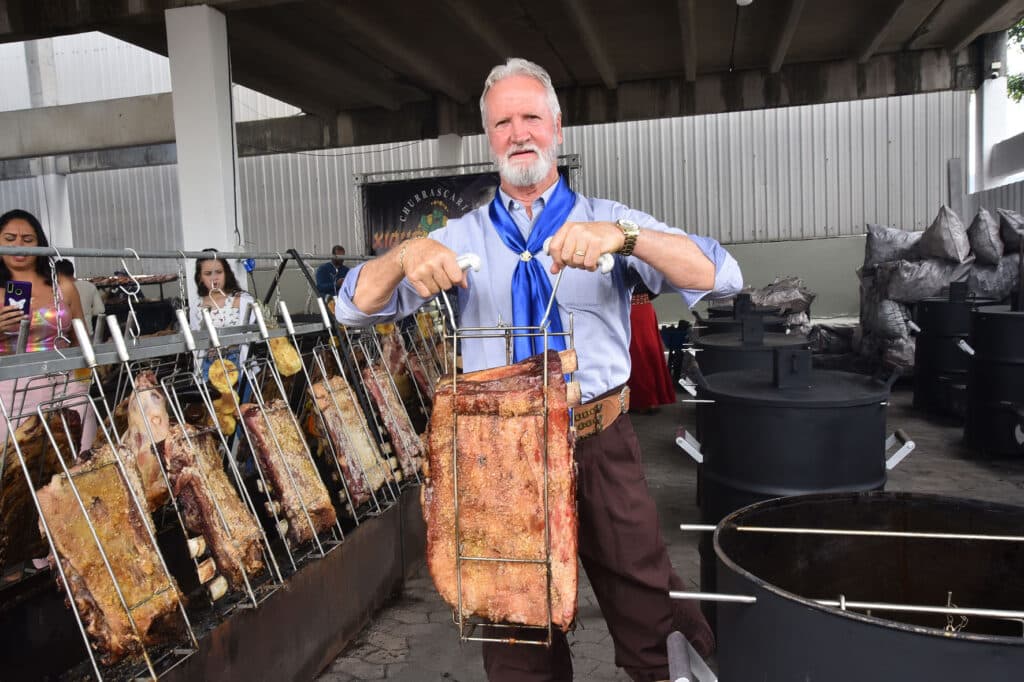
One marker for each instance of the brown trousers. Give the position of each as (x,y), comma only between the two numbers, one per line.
(624,555)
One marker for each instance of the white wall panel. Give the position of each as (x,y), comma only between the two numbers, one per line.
(14,92)
(22,193)
(136,207)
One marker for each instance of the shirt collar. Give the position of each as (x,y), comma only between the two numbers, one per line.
(513,204)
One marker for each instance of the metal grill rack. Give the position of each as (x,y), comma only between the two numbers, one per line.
(57,409)
(170,358)
(390,413)
(456,335)
(318,364)
(263,377)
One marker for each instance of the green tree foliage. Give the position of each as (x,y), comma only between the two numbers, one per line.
(1015,81)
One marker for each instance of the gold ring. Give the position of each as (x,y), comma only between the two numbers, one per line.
(581,254)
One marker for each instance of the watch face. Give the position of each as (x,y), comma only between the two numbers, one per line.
(627,223)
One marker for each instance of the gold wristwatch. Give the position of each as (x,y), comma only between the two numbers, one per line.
(630,231)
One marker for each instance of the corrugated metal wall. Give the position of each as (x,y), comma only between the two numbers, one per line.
(135,207)
(778,174)
(1007,196)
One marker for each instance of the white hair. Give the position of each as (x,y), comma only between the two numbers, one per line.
(515,66)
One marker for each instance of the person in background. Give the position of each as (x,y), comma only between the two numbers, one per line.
(620,542)
(650,384)
(88,294)
(331,274)
(50,310)
(228,303)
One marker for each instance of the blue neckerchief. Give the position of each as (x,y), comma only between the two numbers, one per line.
(531,286)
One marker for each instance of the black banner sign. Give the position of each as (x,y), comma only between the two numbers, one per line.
(395,211)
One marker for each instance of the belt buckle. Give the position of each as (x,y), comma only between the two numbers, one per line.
(622,400)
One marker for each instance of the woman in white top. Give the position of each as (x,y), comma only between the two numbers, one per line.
(228,304)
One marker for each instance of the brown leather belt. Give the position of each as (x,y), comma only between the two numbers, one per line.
(594,417)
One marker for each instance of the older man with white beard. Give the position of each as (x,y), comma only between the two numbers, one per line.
(620,544)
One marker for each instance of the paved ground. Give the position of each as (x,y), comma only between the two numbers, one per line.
(414,639)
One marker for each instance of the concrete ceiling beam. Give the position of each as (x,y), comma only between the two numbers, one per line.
(687,10)
(592,42)
(482,28)
(793,12)
(416,62)
(300,59)
(871,44)
(979,19)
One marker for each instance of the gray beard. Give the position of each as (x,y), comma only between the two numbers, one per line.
(524,176)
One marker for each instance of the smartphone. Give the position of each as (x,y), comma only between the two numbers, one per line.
(18,293)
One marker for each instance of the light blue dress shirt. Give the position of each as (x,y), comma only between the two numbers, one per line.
(598,303)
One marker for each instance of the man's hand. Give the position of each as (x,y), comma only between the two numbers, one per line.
(429,266)
(579,245)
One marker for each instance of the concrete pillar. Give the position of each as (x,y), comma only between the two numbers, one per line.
(51,184)
(197,46)
(991,109)
(449,150)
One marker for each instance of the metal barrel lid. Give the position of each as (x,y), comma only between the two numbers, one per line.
(792,383)
(733,341)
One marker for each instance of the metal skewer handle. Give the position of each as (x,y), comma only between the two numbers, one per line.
(186,329)
(211,328)
(784,530)
(117,338)
(84,343)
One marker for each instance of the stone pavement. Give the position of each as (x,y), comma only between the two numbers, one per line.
(414,639)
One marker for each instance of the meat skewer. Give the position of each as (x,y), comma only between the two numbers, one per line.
(124,598)
(238,552)
(287,470)
(489,554)
(351,454)
(19,525)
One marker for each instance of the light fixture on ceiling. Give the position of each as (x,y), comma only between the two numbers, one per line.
(743,3)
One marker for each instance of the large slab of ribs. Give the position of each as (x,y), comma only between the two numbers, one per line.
(148,423)
(358,456)
(210,505)
(500,419)
(404,439)
(150,593)
(272,428)
(19,522)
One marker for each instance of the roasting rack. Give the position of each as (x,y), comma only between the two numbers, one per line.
(155,659)
(264,377)
(318,364)
(456,336)
(169,386)
(390,414)
(390,334)
(945,608)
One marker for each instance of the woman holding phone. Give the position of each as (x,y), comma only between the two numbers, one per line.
(28,286)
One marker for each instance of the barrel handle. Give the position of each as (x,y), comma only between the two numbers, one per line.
(965,347)
(912,326)
(1017,410)
(906,447)
(684,663)
(690,445)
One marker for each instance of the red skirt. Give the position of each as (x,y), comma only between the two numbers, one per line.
(650,383)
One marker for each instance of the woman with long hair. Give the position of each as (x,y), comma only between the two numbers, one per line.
(220,293)
(49,310)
